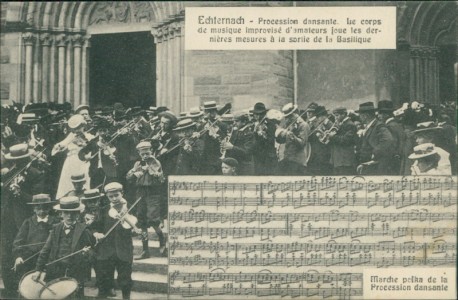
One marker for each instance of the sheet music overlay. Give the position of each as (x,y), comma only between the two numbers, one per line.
(272,237)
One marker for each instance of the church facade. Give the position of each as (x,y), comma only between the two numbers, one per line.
(99,53)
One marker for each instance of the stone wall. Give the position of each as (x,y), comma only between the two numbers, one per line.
(9,67)
(240,77)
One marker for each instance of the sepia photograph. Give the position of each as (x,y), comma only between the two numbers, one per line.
(228,149)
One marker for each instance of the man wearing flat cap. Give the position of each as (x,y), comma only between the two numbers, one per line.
(229,166)
(293,132)
(377,144)
(343,141)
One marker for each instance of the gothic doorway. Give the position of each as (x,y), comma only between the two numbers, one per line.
(122,68)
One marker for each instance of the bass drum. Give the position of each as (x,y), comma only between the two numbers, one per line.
(29,288)
(60,288)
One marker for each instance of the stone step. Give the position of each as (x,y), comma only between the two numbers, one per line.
(153,247)
(91,292)
(143,282)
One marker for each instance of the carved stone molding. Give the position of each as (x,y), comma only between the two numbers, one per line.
(168,31)
(77,40)
(46,39)
(29,38)
(121,12)
(62,40)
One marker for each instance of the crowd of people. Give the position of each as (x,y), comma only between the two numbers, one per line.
(105,171)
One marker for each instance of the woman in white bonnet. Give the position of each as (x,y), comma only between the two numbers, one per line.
(72,144)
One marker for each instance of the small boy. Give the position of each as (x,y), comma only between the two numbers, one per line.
(33,234)
(149,180)
(114,251)
(65,239)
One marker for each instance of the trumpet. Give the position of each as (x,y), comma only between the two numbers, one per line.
(326,135)
(225,140)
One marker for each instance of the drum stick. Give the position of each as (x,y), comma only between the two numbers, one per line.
(46,287)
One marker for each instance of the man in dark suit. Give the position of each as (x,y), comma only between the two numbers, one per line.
(385,115)
(212,137)
(241,144)
(189,158)
(343,141)
(377,144)
(265,160)
(65,239)
(319,162)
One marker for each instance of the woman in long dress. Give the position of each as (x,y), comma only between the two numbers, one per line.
(72,144)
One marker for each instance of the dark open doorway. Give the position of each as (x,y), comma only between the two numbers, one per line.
(122,68)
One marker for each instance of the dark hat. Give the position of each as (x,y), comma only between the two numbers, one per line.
(27,118)
(288,109)
(184,124)
(18,151)
(161,109)
(426,126)
(69,203)
(78,178)
(92,194)
(210,105)
(136,111)
(312,106)
(231,162)
(41,199)
(169,115)
(385,106)
(118,106)
(320,111)
(339,110)
(259,108)
(366,107)
(81,107)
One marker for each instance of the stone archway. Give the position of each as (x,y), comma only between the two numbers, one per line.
(424,28)
(55,45)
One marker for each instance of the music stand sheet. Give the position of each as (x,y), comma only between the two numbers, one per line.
(308,237)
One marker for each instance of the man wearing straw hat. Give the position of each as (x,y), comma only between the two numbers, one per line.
(68,247)
(33,234)
(293,132)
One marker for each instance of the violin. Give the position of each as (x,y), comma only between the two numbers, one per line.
(128,221)
(108,151)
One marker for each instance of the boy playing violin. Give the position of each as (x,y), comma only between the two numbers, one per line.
(114,250)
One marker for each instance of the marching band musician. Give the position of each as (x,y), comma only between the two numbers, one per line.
(320,154)
(115,251)
(191,148)
(149,179)
(343,141)
(239,143)
(71,145)
(101,156)
(32,235)
(385,114)
(212,140)
(166,139)
(197,116)
(79,185)
(83,110)
(265,160)
(377,143)
(68,237)
(293,132)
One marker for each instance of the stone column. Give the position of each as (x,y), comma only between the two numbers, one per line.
(85,70)
(52,72)
(61,43)
(46,41)
(29,40)
(68,72)
(77,41)
(169,57)
(37,71)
